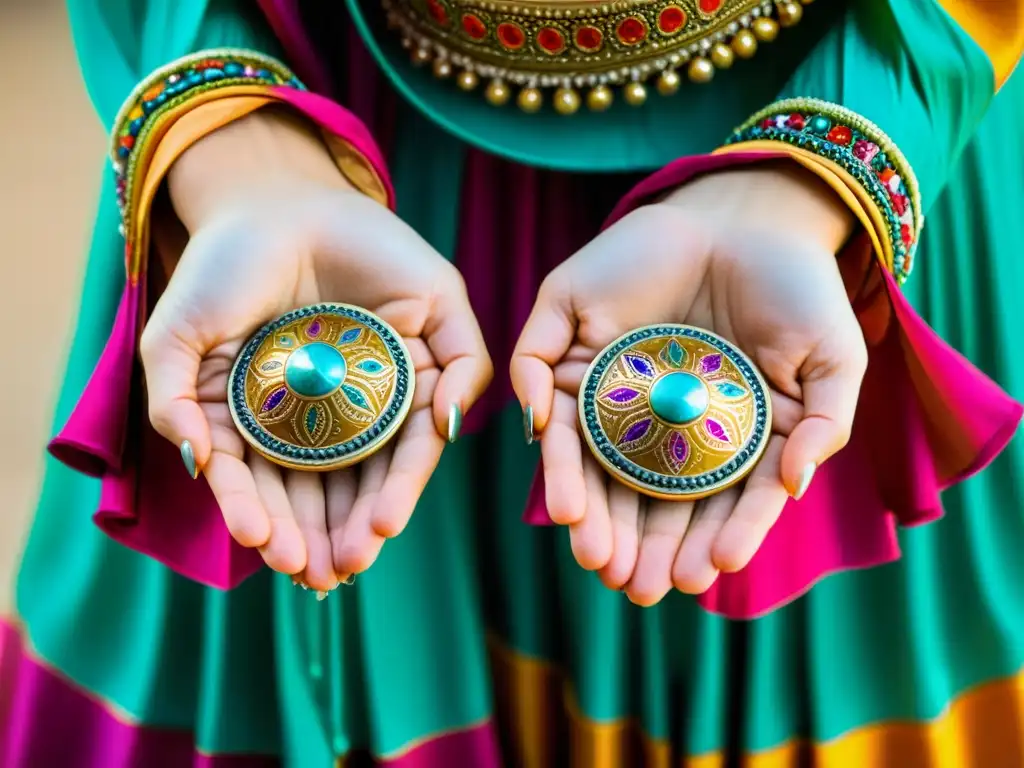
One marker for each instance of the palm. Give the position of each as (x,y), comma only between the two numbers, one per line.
(781,301)
(246,269)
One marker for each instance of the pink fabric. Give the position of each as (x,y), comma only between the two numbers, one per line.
(927,419)
(148,502)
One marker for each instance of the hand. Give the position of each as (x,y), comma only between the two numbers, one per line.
(276,241)
(722,254)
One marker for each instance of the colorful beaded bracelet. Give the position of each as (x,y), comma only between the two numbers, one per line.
(859,147)
(169,87)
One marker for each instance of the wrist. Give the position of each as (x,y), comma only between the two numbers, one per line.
(272,148)
(773,196)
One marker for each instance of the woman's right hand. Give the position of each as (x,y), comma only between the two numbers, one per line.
(268,237)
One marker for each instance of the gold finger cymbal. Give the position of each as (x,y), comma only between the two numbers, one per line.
(322,387)
(675,412)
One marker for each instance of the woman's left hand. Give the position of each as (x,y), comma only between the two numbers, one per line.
(749,255)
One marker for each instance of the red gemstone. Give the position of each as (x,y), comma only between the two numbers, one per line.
(906,235)
(438,12)
(767,123)
(551,40)
(795,121)
(631,30)
(840,135)
(671,19)
(710,6)
(511,36)
(589,38)
(474,27)
(127,141)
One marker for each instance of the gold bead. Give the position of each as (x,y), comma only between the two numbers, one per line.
(599,98)
(635,94)
(420,56)
(700,70)
(567,101)
(790,14)
(744,44)
(467,80)
(530,100)
(766,30)
(669,82)
(498,93)
(442,68)
(721,55)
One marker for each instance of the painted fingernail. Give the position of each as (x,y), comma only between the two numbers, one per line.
(188,456)
(528,424)
(454,422)
(805,480)
(321,596)
(349,580)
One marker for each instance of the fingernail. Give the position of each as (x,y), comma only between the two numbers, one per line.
(321,596)
(349,580)
(454,422)
(805,480)
(528,424)
(189,457)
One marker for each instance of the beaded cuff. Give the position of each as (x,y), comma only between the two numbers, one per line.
(860,148)
(170,87)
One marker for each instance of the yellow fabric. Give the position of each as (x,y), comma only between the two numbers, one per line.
(997,26)
(181,127)
(979,728)
(844,185)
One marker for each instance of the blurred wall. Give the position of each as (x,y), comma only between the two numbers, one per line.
(51,154)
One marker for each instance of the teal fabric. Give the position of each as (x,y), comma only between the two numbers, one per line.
(401,656)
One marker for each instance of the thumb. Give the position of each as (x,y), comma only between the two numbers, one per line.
(170,361)
(831,380)
(544,341)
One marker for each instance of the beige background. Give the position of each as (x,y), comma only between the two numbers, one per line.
(51,154)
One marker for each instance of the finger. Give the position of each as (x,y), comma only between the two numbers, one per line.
(694,571)
(831,386)
(457,343)
(416,456)
(664,527)
(591,537)
(306,494)
(786,413)
(341,488)
(546,337)
(562,457)
(170,361)
(285,551)
(358,545)
(624,511)
(760,503)
(235,490)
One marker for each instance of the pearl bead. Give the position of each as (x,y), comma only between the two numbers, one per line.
(599,98)
(467,80)
(766,30)
(700,70)
(420,56)
(498,93)
(442,68)
(567,101)
(635,94)
(669,82)
(790,14)
(721,56)
(530,100)
(744,44)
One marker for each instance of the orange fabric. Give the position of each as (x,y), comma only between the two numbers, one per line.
(181,127)
(997,26)
(980,729)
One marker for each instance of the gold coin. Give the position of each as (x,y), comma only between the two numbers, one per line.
(675,412)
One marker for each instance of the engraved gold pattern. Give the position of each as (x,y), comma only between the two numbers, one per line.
(346,425)
(692,460)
